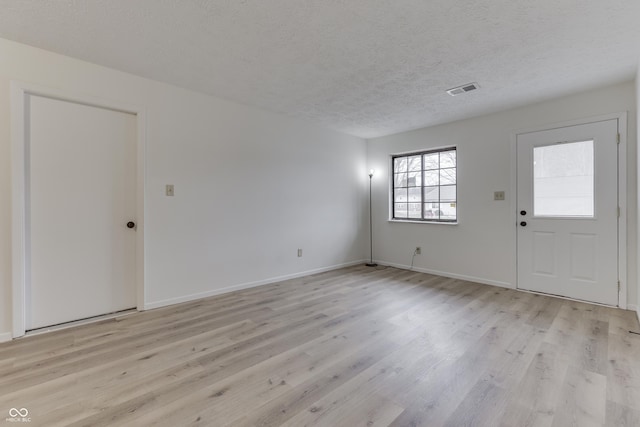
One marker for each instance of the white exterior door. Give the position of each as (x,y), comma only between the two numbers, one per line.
(81,194)
(568,211)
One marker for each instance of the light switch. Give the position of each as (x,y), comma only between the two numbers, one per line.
(498,195)
(170,190)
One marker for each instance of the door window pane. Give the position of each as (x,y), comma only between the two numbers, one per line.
(563,180)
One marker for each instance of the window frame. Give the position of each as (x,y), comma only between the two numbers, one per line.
(593,183)
(392,187)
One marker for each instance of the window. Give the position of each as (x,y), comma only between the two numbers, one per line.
(424,186)
(563,176)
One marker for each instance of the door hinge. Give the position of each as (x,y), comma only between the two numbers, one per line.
(618,285)
(618,211)
(618,138)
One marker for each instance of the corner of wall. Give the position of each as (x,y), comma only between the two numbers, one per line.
(637,305)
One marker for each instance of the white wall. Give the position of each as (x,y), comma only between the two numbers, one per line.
(482,246)
(250,186)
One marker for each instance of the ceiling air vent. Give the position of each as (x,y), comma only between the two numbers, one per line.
(462,89)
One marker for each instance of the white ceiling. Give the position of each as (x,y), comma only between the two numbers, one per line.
(364,67)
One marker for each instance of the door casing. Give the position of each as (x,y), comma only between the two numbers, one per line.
(622,192)
(19,129)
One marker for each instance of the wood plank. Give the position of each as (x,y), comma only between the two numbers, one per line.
(482,406)
(534,401)
(621,415)
(324,381)
(623,371)
(583,399)
(355,346)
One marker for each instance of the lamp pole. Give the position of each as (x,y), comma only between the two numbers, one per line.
(370,263)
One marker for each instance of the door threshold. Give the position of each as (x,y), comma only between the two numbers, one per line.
(79,322)
(568,298)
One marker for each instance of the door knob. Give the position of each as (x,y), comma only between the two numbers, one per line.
(131,224)
(523,213)
(523,223)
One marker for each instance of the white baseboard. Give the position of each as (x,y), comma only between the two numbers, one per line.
(5,336)
(490,282)
(635,308)
(191,297)
(451,275)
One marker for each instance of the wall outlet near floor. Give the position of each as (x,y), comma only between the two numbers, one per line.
(169,190)
(418,250)
(299,253)
(498,195)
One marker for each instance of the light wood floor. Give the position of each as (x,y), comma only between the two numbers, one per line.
(352,347)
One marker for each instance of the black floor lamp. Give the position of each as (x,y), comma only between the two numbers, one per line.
(370,263)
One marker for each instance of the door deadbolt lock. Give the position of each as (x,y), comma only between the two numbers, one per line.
(131,224)
(523,223)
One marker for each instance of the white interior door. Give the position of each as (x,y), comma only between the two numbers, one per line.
(80,195)
(568,211)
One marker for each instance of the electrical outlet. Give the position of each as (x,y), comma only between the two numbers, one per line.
(418,250)
(299,253)
(169,190)
(498,195)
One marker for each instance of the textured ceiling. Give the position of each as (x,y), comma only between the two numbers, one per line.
(364,67)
